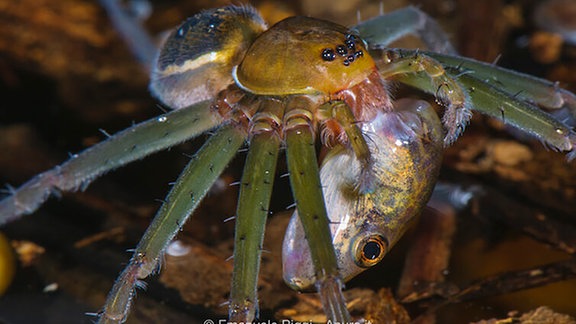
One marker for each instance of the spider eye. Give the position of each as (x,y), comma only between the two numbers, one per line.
(328,54)
(370,250)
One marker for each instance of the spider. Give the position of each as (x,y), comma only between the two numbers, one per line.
(230,82)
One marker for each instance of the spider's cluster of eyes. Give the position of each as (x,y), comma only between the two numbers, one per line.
(347,50)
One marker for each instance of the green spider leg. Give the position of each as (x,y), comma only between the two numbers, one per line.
(127,146)
(342,113)
(385,29)
(499,102)
(255,190)
(382,30)
(307,189)
(252,211)
(497,92)
(446,89)
(305,181)
(192,185)
(522,86)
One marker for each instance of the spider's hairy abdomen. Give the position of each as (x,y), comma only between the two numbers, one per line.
(196,61)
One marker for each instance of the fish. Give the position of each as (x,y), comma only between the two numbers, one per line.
(366,220)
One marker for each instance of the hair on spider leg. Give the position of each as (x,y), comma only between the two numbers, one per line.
(503,118)
(224,304)
(496,60)
(459,66)
(517,94)
(243,150)
(162,108)
(334,222)
(461,73)
(188,155)
(103,131)
(162,201)
(293,205)
(231,218)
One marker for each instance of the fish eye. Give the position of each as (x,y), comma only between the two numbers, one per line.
(370,250)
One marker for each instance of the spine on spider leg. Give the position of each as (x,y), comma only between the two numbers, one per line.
(127,146)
